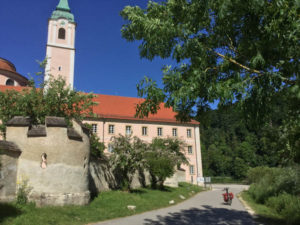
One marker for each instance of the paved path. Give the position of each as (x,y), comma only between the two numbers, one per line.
(206,208)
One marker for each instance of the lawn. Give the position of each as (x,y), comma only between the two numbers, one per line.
(107,205)
(264,214)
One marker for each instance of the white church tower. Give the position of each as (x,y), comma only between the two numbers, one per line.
(60,53)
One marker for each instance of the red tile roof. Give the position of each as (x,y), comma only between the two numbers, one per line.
(16,88)
(117,107)
(7,65)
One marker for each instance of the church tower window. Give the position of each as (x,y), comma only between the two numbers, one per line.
(62,33)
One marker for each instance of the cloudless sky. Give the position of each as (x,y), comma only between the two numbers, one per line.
(105,63)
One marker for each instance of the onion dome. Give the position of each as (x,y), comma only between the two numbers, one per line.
(63,11)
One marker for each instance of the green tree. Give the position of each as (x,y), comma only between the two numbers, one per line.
(163,157)
(127,158)
(226,51)
(240,168)
(9,107)
(97,147)
(37,103)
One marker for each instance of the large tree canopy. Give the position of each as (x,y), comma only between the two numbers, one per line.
(226,51)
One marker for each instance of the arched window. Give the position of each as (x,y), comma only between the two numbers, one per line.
(61,33)
(10,82)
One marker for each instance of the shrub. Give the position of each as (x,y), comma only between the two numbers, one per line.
(292,211)
(264,183)
(127,158)
(23,191)
(255,174)
(262,191)
(279,203)
(287,206)
(162,157)
(96,146)
(288,180)
(279,189)
(268,182)
(160,168)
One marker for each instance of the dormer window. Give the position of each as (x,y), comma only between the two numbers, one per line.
(62,33)
(10,82)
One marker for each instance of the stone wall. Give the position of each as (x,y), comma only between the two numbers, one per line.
(54,160)
(9,154)
(173,181)
(102,177)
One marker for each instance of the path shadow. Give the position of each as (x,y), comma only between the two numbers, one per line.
(7,210)
(268,220)
(206,216)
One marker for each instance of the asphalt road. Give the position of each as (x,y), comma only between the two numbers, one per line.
(206,208)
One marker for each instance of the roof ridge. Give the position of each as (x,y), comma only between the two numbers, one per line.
(119,96)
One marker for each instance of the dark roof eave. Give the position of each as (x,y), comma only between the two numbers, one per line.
(15,76)
(157,120)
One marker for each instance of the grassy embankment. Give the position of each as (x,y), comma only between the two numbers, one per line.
(107,205)
(274,194)
(264,214)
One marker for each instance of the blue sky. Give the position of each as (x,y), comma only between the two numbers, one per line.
(104,63)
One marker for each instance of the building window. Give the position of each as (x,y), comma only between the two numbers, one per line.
(159,131)
(61,33)
(111,129)
(189,133)
(144,131)
(110,148)
(192,170)
(10,82)
(59,68)
(94,128)
(174,132)
(190,149)
(128,130)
